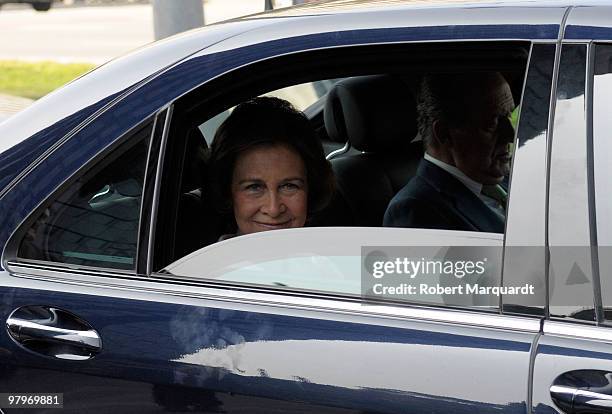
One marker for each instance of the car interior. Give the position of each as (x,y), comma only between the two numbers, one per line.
(366,119)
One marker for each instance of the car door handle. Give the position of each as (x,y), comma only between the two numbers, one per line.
(583,400)
(26,330)
(53,332)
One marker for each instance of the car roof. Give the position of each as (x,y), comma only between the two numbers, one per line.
(358,6)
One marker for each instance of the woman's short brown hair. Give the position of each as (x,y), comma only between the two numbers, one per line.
(268,121)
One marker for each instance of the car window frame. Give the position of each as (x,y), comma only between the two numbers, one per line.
(10,257)
(212,283)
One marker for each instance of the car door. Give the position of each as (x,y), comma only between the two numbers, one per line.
(573,365)
(89,318)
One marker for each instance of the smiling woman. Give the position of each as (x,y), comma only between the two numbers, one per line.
(269,198)
(268,168)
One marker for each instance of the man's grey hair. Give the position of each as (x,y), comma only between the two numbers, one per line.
(445,97)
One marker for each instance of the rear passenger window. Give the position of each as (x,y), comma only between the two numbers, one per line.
(94,221)
(235,222)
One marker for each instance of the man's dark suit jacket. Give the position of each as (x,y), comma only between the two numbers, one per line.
(435,199)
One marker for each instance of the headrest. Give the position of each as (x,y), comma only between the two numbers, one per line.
(375,113)
(196,139)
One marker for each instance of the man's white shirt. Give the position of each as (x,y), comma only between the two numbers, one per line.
(472,185)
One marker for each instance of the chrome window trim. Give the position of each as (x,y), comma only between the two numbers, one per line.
(157,189)
(515,143)
(144,186)
(270,299)
(549,140)
(584,41)
(592,207)
(63,268)
(577,330)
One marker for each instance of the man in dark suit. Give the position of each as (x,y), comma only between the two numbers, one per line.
(464,121)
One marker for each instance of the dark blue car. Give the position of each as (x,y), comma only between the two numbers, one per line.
(119,298)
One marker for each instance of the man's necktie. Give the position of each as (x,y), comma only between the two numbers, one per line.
(497,193)
(495,197)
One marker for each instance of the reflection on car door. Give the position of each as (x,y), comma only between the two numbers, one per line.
(189,347)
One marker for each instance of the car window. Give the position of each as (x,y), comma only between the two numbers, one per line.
(93,221)
(301,97)
(353,261)
(348,248)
